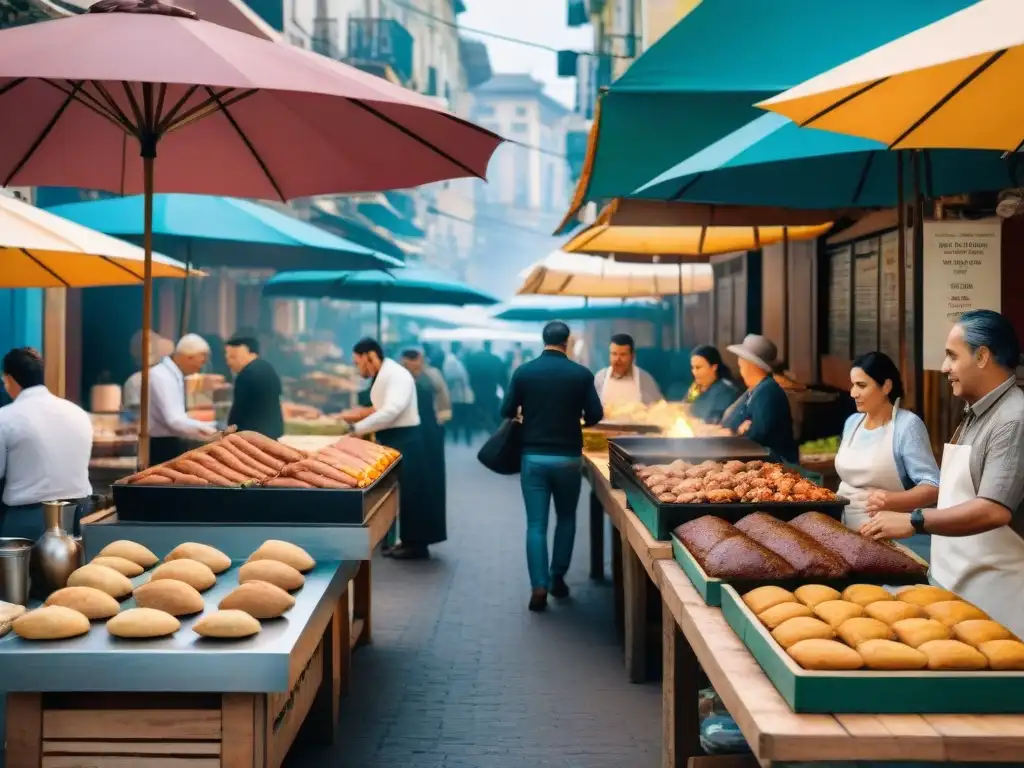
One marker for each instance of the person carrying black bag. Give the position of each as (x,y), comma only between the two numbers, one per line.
(552,394)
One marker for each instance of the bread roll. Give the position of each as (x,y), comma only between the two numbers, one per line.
(277,573)
(925,594)
(143,623)
(891,611)
(812,594)
(800,628)
(975,632)
(209,556)
(784,612)
(170,596)
(860,629)
(102,578)
(866,594)
(890,655)
(89,601)
(916,632)
(51,622)
(761,599)
(1004,655)
(121,565)
(192,572)
(835,612)
(952,612)
(285,552)
(227,625)
(129,550)
(825,654)
(260,599)
(952,655)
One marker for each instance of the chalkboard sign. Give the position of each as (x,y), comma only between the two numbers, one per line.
(840,296)
(865,323)
(889,320)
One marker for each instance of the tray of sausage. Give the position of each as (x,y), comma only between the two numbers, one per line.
(247,477)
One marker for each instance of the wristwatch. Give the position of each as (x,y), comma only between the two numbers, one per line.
(917,520)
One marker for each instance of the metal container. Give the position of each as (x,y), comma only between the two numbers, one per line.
(664,450)
(56,554)
(14,570)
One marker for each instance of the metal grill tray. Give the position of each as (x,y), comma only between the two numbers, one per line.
(260,506)
(644,449)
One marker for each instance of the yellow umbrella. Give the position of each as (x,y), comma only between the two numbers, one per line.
(574,274)
(688,233)
(41,250)
(954,84)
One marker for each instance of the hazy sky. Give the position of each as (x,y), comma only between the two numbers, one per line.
(539,21)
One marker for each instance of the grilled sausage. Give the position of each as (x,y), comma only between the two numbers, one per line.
(180,478)
(318,480)
(321,468)
(190,467)
(257,453)
(215,466)
(228,459)
(246,459)
(271,446)
(287,482)
(153,479)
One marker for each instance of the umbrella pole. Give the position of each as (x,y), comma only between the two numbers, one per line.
(147,312)
(186,294)
(679,311)
(901,265)
(380,324)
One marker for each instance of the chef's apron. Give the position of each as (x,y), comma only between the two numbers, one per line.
(866,468)
(621,391)
(986,569)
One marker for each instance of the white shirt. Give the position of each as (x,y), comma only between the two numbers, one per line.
(131,392)
(167,414)
(45,447)
(393,395)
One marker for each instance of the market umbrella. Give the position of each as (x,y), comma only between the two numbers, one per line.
(952,84)
(597,309)
(575,274)
(91,101)
(411,285)
(224,232)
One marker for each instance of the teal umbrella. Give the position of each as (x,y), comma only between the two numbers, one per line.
(593,309)
(773,162)
(699,81)
(411,285)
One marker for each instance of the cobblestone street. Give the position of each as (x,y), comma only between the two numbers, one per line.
(461,675)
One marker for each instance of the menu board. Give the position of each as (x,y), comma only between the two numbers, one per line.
(962,271)
(865,296)
(888,300)
(839,298)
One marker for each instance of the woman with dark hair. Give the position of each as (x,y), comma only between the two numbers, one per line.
(712,379)
(885,459)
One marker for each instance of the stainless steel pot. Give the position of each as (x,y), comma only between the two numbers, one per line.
(14,569)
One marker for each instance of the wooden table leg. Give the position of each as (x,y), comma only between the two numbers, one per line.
(596,538)
(361,606)
(680,687)
(617,592)
(24,730)
(239,736)
(634,593)
(323,714)
(344,633)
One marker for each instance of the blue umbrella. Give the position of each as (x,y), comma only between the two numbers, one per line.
(772,161)
(594,309)
(411,285)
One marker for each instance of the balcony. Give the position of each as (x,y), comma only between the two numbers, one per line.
(378,44)
(325,37)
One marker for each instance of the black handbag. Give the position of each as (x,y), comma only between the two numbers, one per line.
(503,451)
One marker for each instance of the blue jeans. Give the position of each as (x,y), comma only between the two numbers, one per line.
(544,478)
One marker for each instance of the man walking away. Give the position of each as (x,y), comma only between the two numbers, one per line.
(256,402)
(486,375)
(461,394)
(552,393)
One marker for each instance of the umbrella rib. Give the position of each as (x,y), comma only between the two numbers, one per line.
(173,113)
(686,187)
(47,129)
(11,85)
(115,108)
(845,100)
(95,106)
(140,119)
(248,143)
(45,268)
(204,110)
(398,126)
(945,99)
(122,267)
(863,177)
(159,104)
(589,237)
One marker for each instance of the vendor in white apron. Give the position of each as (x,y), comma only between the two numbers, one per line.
(623,382)
(976,527)
(885,460)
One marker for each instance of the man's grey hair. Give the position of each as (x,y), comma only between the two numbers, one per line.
(985,328)
(192,344)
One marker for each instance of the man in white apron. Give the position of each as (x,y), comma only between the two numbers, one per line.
(623,382)
(977,527)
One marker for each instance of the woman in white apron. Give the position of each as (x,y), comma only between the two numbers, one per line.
(885,459)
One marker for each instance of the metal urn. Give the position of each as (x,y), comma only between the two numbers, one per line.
(55,555)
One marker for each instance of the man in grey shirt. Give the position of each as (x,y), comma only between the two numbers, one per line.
(977,527)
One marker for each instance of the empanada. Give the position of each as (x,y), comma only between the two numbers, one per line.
(866,594)
(974,632)
(891,611)
(915,632)
(835,612)
(812,594)
(784,612)
(761,599)
(197,575)
(952,612)
(952,655)
(1004,655)
(794,630)
(890,655)
(924,595)
(209,556)
(860,629)
(825,654)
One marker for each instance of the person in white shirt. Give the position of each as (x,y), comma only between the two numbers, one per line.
(170,428)
(624,382)
(45,446)
(394,418)
(131,392)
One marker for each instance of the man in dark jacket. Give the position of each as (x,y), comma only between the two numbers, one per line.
(256,403)
(553,394)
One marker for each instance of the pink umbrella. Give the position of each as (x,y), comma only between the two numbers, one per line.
(95,100)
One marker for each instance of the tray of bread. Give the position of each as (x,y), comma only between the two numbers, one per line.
(871,650)
(812,548)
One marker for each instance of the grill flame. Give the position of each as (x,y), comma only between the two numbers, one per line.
(681,428)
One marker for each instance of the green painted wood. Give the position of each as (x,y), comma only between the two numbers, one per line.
(707,587)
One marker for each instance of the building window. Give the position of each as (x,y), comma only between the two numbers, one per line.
(520,111)
(484,110)
(520,128)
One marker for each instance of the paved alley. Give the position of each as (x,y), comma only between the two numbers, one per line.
(461,675)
